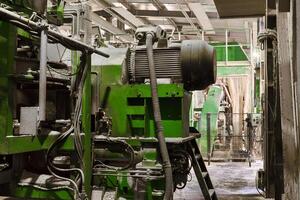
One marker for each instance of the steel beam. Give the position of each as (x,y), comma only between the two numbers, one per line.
(128,16)
(129,7)
(110,28)
(12,17)
(43,76)
(167,13)
(202,17)
(161,6)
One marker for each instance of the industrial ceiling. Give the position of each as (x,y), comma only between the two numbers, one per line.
(187,19)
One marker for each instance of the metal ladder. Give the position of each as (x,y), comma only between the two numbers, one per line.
(201,172)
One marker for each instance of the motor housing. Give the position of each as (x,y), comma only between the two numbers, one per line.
(191,62)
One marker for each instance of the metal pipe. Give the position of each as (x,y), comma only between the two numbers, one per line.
(226,47)
(43,70)
(208,137)
(43,75)
(158,122)
(7,15)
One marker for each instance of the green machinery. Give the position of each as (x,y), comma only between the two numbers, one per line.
(127,113)
(80,130)
(40,105)
(210,112)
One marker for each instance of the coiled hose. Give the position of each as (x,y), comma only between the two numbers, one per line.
(158,123)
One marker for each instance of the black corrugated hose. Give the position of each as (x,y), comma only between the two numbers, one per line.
(158,123)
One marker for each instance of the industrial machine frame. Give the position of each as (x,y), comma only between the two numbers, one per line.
(111,130)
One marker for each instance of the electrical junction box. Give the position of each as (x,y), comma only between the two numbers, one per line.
(29,120)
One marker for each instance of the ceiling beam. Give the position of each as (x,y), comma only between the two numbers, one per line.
(202,17)
(107,26)
(160,13)
(168,13)
(128,6)
(128,16)
(162,7)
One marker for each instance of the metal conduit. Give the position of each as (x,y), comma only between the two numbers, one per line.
(7,15)
(158,122)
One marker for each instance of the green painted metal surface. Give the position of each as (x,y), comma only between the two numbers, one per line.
(7,53)
(211,105)
(235,52)
(130,106)
(28,192)
(86,127)
(22,144)
(10,144)
(233,71)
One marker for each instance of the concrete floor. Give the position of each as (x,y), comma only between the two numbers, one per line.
(232,180)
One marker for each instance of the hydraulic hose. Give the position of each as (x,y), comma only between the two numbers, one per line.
(158,123)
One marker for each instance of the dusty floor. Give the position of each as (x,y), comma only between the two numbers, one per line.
(232,180)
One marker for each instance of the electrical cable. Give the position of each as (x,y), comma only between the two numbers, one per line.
(44,188)
(78,107)
(130,163)
(77,137)
(158,122)
(63,74)
(50,165)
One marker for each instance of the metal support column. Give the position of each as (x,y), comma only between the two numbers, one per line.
(86,127)
(43,75)
(272,121)
(226,47)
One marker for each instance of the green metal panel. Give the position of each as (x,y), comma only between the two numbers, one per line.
(27,143)
(235,53)
(7,53)
(211,105)
(86,126)
(132,111)
(28,192)
(130,105)
(233,71)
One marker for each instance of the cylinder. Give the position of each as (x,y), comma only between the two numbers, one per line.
(193,63)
